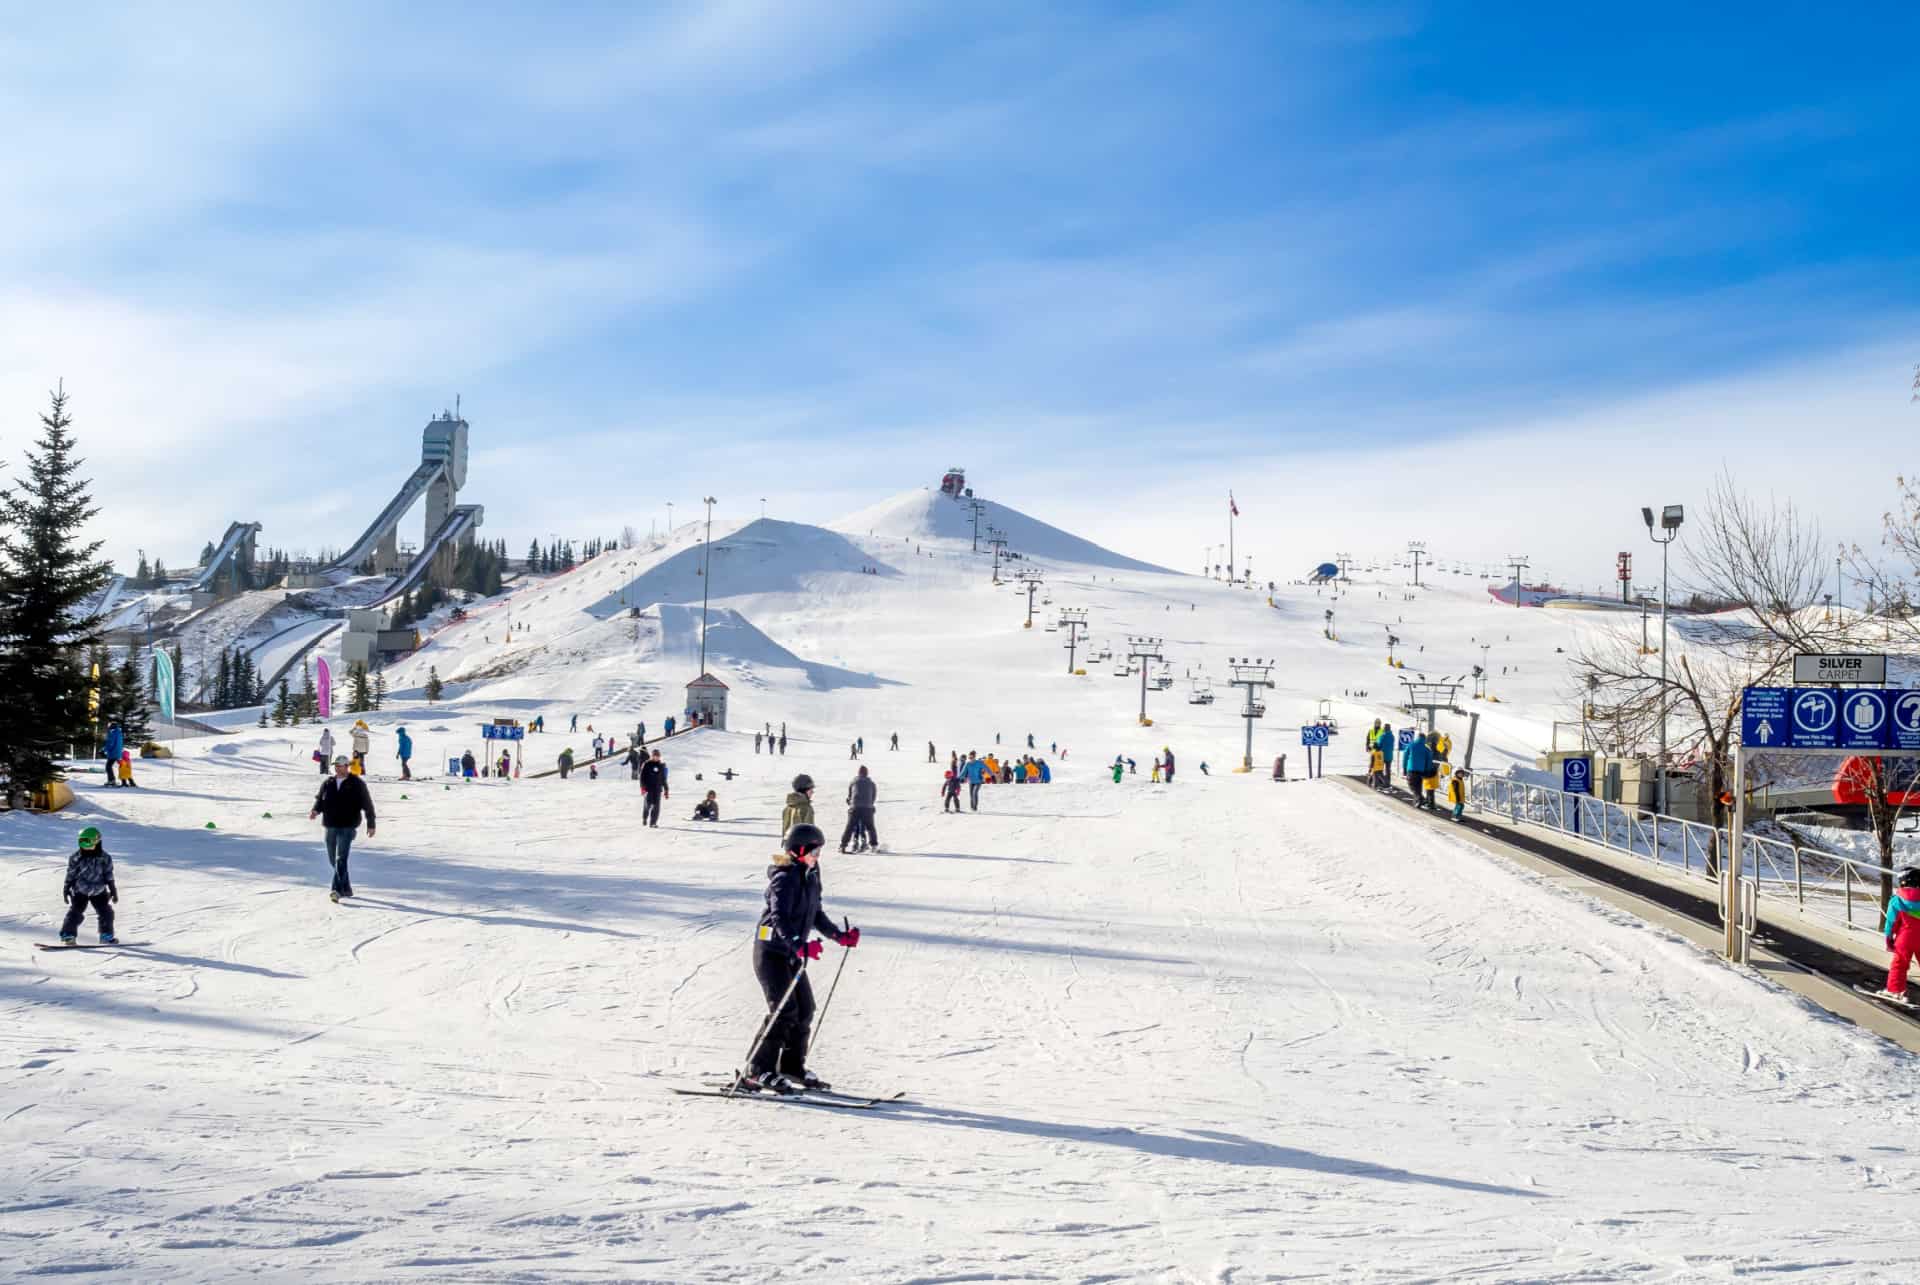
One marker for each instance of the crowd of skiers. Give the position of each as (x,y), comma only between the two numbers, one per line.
(1423,764)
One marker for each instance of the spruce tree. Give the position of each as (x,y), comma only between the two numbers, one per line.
(46,575)
(130,704)
(434,685)
(282,706)
(360,699)
(379,688)
(309,698)
(223,682)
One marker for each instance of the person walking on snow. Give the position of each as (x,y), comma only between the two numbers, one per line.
(976,772)
(324,755)
(362,740)
(862,795)
(1902,930)
(116,740)
(670,725)
(799,809)
(950,792)
(895,743)
(931,756)
(566,762)
(574,724)
(756,742)
(1457,793)
(653,788)
(89,882)
(633,760)
(1417,762)
(468,768)
(1167,767)
(406,753)
(343,798)
(782,948)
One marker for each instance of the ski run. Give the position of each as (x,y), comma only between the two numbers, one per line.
(1222,1029)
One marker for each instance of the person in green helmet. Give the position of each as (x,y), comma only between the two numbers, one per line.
(89,882)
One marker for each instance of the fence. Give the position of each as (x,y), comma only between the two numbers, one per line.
(1843,890)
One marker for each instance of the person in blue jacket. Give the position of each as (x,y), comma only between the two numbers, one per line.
(1417,763)
(975,770)
(1046,773)
(116,741)
(406,752)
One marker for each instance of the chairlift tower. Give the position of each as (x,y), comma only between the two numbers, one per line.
(1418,548)
(1428,698)
(1031,582)
(998,540)
(1519,565)
(1143,650)
(978,507)
(1256,676)
(1345,562)
(1073,620)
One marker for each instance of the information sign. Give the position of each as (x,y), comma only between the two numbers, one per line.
(1844,667)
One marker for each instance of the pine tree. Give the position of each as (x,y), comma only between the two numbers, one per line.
(309,698)
(130,704)
(159,577)
(223,682)
(245,689)
(46,574)
(379,688)
(533,556)
(283,706)
(434,685)
(143,574)
(361,698)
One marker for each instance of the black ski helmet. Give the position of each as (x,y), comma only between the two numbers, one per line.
(804,837)
(802,783)
(1910,877)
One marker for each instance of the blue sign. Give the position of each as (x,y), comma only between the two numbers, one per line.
(1830,718)
(1815,718)
(502,732)
(1405,737)
(1576,775)
(1863,719)
(1903,721)
(1313,736)
(1763,717)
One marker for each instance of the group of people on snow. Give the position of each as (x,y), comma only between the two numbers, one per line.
(1423,762)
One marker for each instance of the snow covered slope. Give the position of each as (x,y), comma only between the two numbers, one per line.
(1218,1030)
(928,516)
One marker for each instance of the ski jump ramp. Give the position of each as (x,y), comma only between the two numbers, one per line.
(441,473)
(227,555)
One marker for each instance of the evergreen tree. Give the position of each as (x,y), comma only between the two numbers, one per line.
(245,681)
(46,574)
(130,704)
(434,685)
(361,698)
(143,574)
(223,682)
(309,698)
(533,556)
(283,706)
(159,577)
(379,688)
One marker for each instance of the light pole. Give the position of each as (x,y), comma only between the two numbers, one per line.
(1670,519)
(669,517)
(706,583)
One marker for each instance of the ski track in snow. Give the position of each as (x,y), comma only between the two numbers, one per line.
(1215,1031)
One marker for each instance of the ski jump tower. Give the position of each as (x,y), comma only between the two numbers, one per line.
(441,474)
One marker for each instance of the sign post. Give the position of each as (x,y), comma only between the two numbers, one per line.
(1576,777)
(1314,738)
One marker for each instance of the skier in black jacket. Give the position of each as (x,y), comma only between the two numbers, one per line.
(653,787)
(342,798)
(862,795)
(781,950)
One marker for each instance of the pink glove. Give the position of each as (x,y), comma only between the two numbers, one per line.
(808,950)
(850,938)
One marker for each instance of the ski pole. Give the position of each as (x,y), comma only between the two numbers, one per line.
(821,1020)
(766,1027)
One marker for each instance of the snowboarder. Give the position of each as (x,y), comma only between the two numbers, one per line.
(862,795)
(406,753)
(653,788)
(799,809)
(338,807)
(362,740)
(1902,931)
(324,755)
(707,809)
(950,792)
(781,951)
(89,882)
(115,740)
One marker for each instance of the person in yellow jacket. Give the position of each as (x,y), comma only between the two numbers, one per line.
(1457,793)
(993,768)
(1443,746)
(1376,767)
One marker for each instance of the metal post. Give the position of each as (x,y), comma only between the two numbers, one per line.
(1660,768)
(1731,864)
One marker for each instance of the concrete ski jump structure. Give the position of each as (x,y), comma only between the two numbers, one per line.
(441,474)
(234,551)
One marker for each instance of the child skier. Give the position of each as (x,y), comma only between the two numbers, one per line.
(126,769)
(950,792)
(1902,931)
(90,883)
(1457,792)
(781,951)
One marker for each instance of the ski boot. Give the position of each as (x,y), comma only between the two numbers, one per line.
(1902,998)
(334,897)
(766,1082)
(69,939)
(108,939)
(808,1080)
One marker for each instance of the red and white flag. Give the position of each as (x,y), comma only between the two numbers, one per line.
(1231,506)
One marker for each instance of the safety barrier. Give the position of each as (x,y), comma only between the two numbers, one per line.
(1843,890)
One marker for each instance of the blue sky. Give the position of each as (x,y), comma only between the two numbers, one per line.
(1387,271)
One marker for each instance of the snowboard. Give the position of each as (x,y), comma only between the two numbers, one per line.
(1873,993)
(91,945)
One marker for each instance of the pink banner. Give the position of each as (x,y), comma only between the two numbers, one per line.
(325,688)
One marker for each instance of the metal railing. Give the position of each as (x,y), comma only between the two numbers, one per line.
(1827,885)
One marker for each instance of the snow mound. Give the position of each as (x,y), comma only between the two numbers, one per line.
(764,556)
(930,516)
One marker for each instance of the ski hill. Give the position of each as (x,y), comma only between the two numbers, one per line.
(1223,1029)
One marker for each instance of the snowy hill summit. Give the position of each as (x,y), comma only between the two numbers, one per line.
(927,516)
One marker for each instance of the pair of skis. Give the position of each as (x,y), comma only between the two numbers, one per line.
(806,1098)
